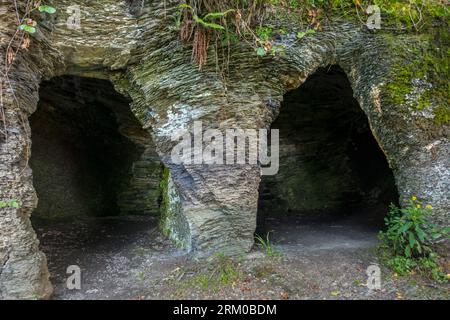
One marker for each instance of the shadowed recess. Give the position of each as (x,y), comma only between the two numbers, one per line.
(330,163)
(90,155)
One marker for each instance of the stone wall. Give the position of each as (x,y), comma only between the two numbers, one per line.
(142,55)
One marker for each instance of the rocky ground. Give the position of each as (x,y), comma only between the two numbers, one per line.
(127,258)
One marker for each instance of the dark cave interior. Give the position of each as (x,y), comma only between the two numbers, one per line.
(331,166)
(90,156)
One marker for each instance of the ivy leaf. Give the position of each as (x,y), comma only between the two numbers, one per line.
(260,52)
(2,204)
(47,9)
(27,28)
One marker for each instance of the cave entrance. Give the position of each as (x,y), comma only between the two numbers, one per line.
(96,174)
(334,184)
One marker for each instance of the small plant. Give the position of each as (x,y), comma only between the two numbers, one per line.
(221,272)
(409,231)
(207,20)
(28,24)
(265,42)
(226,270)
(200,30)
(302,34)
(408,241)
(425,266)
(266,245)
(10,203)
(141,275)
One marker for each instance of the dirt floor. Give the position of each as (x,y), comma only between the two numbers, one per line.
(127,258)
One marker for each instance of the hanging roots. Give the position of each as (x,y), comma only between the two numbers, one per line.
(200,44)
(218,15)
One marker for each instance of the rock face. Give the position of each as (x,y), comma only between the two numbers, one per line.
(209,208)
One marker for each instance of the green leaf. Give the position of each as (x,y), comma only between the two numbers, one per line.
(2,204)
(412,239)
(408,251)
(405,227)
(47,9)
(216,15)
(14,204)
(27,28)
(230,38)
(419,248)
(420,234)
(208,24)
(445,230)
(185,6)
(335,293)
(261,52)
(300,35)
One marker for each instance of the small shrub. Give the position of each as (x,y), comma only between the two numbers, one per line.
(221,272)
(409,232)
(408,241)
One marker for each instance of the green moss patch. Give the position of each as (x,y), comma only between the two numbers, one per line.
(418,77)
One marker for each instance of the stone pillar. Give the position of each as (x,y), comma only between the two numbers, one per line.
(215,207)
(23,268)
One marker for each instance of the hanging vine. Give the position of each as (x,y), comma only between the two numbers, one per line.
(20,40)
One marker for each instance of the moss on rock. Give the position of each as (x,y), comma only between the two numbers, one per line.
(172,223)
(417,80)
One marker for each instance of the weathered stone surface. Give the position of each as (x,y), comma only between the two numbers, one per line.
(145,60)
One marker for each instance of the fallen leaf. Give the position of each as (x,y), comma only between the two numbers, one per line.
(335,293)
(284,295)
(25,43)
(10,56)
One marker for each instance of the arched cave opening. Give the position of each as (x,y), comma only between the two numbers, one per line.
(96,174)
(334,183)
